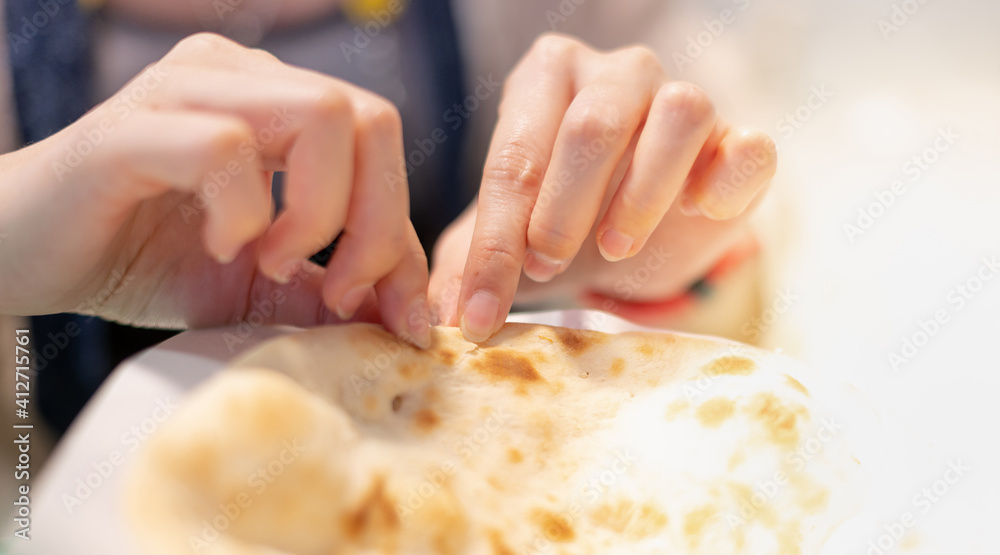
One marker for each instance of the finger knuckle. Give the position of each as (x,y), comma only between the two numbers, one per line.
(331,106)
(552,241)
(639,207)
(381,119)
(687,101)
(390,243)
(227,137)
(496,252)
(264,55)
(516,169)
(553,47)
(590,121)
(198,45)
(640,58)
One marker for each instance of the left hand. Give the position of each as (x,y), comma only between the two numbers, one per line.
(596,157)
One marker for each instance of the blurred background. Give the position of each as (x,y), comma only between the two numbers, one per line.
(885,236)
(871,270)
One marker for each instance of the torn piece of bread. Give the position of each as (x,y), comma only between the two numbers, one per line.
(343,440)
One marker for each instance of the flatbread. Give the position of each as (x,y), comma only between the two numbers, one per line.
(343,440)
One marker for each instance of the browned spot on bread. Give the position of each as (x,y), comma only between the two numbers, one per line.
(626,519)
(797,385)
(514,456)
(614,517)
(497,483)
(812,497)
(790,538)
(695,522)
(910,541)
(744,496)
(406,369)
(675,408)
(543,429)
(499,546)
(780,421)
(506,365)
(730,365)
(446,356)
(577,341)
(397,403)
(375,514)
(444,520)
(713,412)
(432,395)
(426,419)
(414,370)
(554,527)
(647,350)
(647,522)
(736,459)
(546,338)
(617,367)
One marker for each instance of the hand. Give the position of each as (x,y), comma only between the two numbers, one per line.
(155,208)
(598,150)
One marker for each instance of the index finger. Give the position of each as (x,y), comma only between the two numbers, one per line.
(536,96)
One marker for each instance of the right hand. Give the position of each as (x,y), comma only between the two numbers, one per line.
(157,203)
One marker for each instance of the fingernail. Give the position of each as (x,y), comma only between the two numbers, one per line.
(541,268)
(225,258)
(615,245)
(284,275)
(688,207)
(418,323)
(480,316)
(351,301)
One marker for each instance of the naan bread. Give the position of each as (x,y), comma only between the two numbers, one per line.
(342,440)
